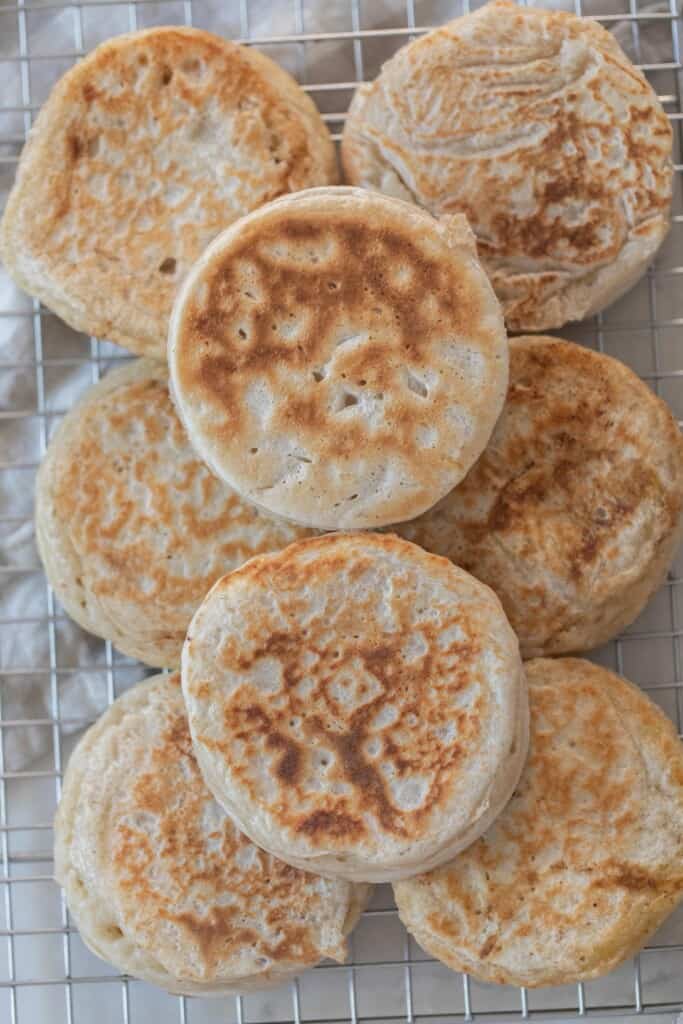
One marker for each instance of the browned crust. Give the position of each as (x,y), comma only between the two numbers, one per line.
(132,528)
(165,872)
(573,512)
(340,707)
(510,115)
(338,307)
(136,161)
(587,795)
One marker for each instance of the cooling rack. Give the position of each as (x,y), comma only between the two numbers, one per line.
(54,679)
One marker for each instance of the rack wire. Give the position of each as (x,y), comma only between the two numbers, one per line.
(46,973)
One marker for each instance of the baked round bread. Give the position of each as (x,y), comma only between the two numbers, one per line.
(145,150)
(586,860)
(536,125)
(131,526)
(160,881)
(573,512)
(339,358)
(357,705)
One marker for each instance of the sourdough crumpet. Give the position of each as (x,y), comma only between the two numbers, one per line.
(356,704)
(573,512)
(145,150)
(132,528)
(536,126)
(339,357)
(586,860)
(160,881)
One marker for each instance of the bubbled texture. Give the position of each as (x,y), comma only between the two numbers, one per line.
(357,704)
(145,150)
(573,512)
(339,358)
(132,527)
(536,126)
(161,883)
(585,861)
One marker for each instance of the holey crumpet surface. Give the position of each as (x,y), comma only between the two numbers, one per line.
(144,151)
(536,126)
(356,704)
(161,882)
(339,358)
(132,528)
(585,861)
(573,512)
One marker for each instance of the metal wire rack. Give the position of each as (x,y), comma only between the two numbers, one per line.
(47,665)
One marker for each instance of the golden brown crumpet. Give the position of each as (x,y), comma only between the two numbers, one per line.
(357,705)
(339,357)
(573,512)
(132,528)
(536,126)
(586,860)
(160,881)
(145,150)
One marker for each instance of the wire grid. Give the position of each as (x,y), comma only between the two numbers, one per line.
(389,977)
